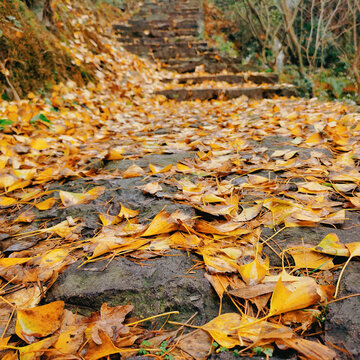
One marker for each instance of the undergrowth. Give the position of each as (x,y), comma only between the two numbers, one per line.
(32,56)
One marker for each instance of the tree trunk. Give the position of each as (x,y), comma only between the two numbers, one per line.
(48,13)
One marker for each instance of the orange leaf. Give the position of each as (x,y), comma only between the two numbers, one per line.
(39,321)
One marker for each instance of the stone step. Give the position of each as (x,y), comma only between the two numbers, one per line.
(262,78)
(166,51)
(165,17)
(211,62)
(210,94)
(169,12)
(163,24)
(158,40)
(126,30)
(198,45)
(167,4)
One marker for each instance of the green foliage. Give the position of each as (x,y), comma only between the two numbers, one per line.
(163,350)
(143,345)
(40,118)
(4,123)
(225,46)
(259,350)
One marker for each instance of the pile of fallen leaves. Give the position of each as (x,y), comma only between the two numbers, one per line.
(310,181)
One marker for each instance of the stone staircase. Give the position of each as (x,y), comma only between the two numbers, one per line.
(169,31)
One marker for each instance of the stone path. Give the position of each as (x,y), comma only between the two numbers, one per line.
(170,31)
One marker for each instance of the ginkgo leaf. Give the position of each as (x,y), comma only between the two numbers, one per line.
(312,187)
(39,144)
(27,216)
(313,139)
(219,283)
(25,174)
(344,187)
(306,258)
(35,350)
(39,321)
(133,171)
(71,199)
(183,168)
(128,213)
(158,170)
(161,224)
(151,188)
(211,198)
(7,201)
(221,327)
(62,229)
(46,204)
(6,262)
(297,295)
(253,272)
(116,153)
(257,179)
(331,245)
(249,213)
(53,257)
(7,180)
(70,340)
(97,351)
(107,219)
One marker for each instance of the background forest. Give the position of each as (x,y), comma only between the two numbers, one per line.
(314,42)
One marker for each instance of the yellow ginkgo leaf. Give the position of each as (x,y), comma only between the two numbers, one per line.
(222,329)
(98,351)
(127,213)
(249,213)
(294,296)
(183,168)
(306,258)
(133,171)
(70,340)
(35,350)
(116,153)
(39,321)
(45,175)
(7,201)
(253,272)
(6,262)
(46,204)
(3,161)
(151,188)
(96,192)
(158,170)
(331,245)
(53,257)
(62,229)
(257,179)
(25,174)
(27,217)
(161,224)
(107,219)
(7,180)
(211,198)
(71,199)
(39,144)
(20,184)
(314,139)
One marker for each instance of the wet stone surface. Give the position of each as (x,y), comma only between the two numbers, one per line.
(154,287)
(163,283)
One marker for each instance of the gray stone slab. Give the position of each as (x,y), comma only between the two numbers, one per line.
(155,287)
